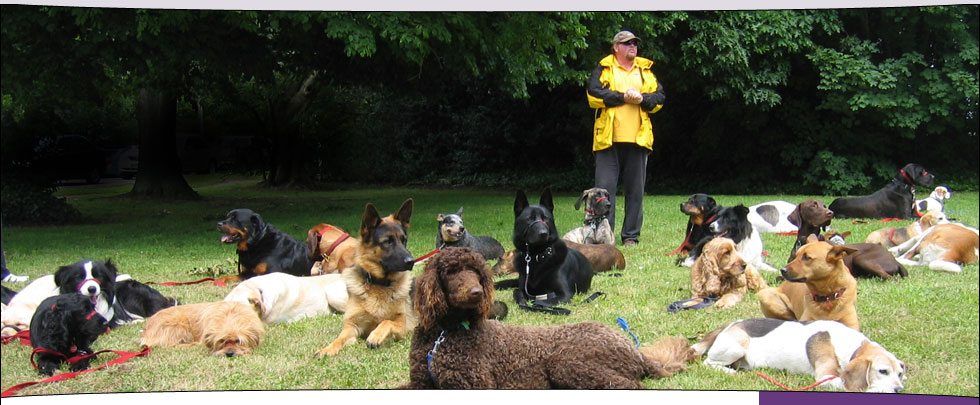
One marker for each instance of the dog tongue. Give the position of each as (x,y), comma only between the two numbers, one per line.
(226,239)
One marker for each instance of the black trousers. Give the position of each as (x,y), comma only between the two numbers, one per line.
(630,160)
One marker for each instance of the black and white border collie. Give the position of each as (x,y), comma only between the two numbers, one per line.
(117,297)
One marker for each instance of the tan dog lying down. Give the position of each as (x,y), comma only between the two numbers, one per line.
(945,247)
(224,328)
(281,297)
(889,237)
(820,348)
(721,272)
(818,286)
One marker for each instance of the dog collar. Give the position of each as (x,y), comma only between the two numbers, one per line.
(336,243)
(374,280)
(828,299)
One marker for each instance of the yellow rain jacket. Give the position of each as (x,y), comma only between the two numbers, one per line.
(604,97)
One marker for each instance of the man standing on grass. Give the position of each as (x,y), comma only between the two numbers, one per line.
(624,92)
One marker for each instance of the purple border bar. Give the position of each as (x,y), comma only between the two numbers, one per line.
(840,398)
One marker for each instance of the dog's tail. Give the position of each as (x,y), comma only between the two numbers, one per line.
(669,356)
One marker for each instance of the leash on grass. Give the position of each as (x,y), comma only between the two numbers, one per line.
(170,283)
(123,357)
(24,336)
(808,387)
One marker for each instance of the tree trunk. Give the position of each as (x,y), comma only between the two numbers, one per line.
(289,156)
(159,174)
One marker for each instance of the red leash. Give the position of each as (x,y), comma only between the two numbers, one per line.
(808,387)
(168,283)
(123,357)
(24,336)
(427,255)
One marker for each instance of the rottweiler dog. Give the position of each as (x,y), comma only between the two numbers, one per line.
(379,285)
(261,247)
(701,210)
(896,200)
(548,271)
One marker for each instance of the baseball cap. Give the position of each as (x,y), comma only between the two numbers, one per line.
(623,36)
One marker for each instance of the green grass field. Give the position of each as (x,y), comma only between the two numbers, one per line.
(929,320)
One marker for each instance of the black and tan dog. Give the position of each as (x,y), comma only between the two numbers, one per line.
(378,285)
(701,210)
(261,247)
(896,200)
(548,271)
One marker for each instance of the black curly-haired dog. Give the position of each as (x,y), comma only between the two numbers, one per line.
(117,297)
(65,326)
(895,200)
(261,247)
(453,233)
(455,346)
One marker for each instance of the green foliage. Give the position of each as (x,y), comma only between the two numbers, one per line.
(25,202)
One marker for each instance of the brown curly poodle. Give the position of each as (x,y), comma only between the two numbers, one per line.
(721,272)
(455,346)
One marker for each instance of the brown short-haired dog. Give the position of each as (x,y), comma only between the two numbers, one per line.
(818,286)
(721,272)
(225,328)
(378,285)
(455,346)
(331,247)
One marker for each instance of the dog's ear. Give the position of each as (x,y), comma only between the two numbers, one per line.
(794,217)
(520,203)
(459,211)
(404,214)
(838,252)
(578,203)
(258,227)
(439,218)
(742,211)
(113,271)
(546,200)
(256,301)
(61,275)
(812,238)
(856,375)
(313,243)
(486,282)
(709,203)
(430,301)
(369,221)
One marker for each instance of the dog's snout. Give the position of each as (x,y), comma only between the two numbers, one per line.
(476,291)
(92,290)
(230,353)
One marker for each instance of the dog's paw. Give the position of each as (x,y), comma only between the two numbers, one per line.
(327,351)
(836,384)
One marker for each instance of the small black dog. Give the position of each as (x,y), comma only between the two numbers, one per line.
(548,271)
(65,326)
(118,298)
(896,200)
(452,233)
(261,247)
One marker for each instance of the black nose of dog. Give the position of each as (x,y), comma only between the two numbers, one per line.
(92,290)
(409,262)
(229,354)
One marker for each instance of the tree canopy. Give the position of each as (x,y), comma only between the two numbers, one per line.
(822,101)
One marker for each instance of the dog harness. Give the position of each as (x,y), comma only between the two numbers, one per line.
(827,299)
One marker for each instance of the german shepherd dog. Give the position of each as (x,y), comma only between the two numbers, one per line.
(548,271)
(379,283)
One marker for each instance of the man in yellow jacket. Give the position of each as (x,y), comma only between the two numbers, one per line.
(624,92)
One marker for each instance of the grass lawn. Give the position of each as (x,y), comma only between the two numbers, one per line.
(929,320)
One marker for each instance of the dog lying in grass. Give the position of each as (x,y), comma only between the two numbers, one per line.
(455,346)
(452,232)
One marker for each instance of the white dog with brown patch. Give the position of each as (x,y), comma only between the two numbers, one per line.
(281,297)
(823,349)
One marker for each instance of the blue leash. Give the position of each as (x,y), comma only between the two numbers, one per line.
(622,324)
